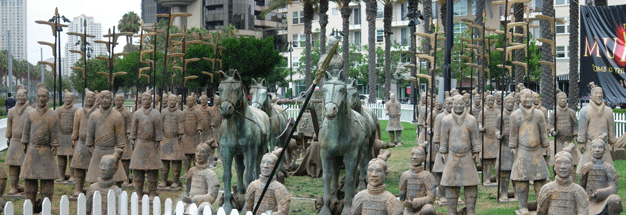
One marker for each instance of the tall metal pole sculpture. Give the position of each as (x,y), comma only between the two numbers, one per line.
(55,25)
(170,16)
(142,38)
(110,44)
(184,44)
(83,52)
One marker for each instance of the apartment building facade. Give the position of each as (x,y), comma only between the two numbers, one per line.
(13,25)
(74,43)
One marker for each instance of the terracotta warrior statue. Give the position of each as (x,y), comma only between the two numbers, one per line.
(205,113)
(202,182)
(599,179)
(15,126)
(562,196)
(418,187)
(147,133)
(476,103)
(506,154)
(66,119)
(105,132)
(529,137)
(157,102)
(439,165)
(41,138)
(106,171)
(424,137)
(376,200)
(277,198)
(394,127)
(216,122)
(488,132)
(179,99)
(566,129)
(595,119)
(498,97)
(459,142)
(82,156)
(127,115)
(171,146)
(421,112)
(192,130)
(96,104)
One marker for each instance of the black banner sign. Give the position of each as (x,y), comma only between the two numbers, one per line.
(603,51)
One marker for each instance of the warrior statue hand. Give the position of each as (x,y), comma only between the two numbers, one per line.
(513,151)
(186,199)
(429,132)
(581,146)
(498,135)
(481,128)
(90,148)
(593,196)
(199,132)
(157,143)
(8,142)
(53,150)
(554,133)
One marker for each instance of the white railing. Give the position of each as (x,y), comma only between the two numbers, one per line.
(407,114)
(121,209)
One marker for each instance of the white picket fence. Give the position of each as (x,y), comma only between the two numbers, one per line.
(407,114)
(121,209)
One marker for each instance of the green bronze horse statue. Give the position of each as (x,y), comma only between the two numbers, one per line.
(243,135)
(278,117)
(372,131)
(343,135)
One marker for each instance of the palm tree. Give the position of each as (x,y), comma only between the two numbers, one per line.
(547,84)
(323,7)
(371,9)
(345,46)
(130,22)
(478,20)
(428,15)
(573,53)
(388,14)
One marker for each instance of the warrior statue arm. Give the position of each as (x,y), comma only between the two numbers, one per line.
(387,108)
(403,185)
(181,125)
(545,141)
(444,138)
(583,123)
(574,123)
(54,136)
(498,125)
(77,117)
(582,201)
(283,199)
(133,127)
(120,134)
(602,194)
(190,174)
(611,134)
(418,203)
(9,131)
(158,131)
(474,138)
(26,132)
(357,203)
(582,178)
(250,194)
(551,130)
(91,133)
(543,200)
(199,117)
(481,127)
(211,195)
(513,132)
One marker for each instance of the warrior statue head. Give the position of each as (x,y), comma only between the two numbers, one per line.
(447,104)
(509,102)
(490,101)
(90,98)
(146,100)
(417,156)
(21,95)
(202,153)
(204,100)
(563,163)
(68,98)
(108,164)
(172,101)
(561,99)
(597,146)
(105,99)
(527,98)
(376,172)
(458,105)
(596,95)
(42,97)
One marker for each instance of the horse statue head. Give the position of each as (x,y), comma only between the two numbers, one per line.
(260,97)
(335,95)
(232,93)
(353,95)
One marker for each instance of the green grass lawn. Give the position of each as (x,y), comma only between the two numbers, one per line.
(307,188)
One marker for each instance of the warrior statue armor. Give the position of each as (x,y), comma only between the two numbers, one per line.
(192,130)
(66,120)
(277,198)
(439,165)
(171,146)
(108,167)
(202,182)
(562,196)
(15,126)
(599,179)
(375,200)
(595,119)
(418,187)
(82,156)
(394,127)
(488,132)
(506,155)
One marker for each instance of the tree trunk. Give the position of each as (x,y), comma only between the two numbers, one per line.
(601,2)
(388,13)
(345,46)
(519,54)
(413,5)
(480,6)
(323,24)
(428,15)
(547,81)
(372,12)
(308,18)
(573,54)
(443,10)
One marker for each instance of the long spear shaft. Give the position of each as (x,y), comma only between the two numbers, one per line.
(138,67)
(554,76)
(154,60)
(309,93)
(502,92)
(85,57)
(167,43)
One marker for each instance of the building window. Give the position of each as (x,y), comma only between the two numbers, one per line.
(404,9)
(561,28)
(298,40)
(298,17)
(335,11)
(459,28)
(380,35)
(460,8)
(560,2)
(404,36)
(561,52)
(357,38)
(356,16)
(379,11)
(435,10)
(295,61)
(473,6)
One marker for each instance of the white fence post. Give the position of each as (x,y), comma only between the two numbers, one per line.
(234,212)
(111,210)
(64,206)
(192,209)
(180,209)
(123,209)
(134,204)
(207,210)
(81,205)
(46,207)
(145,205)
(28,207)
(8,208)
(96,208)
(168,207)
(156,206)
(221,211)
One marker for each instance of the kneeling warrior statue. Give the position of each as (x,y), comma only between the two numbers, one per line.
(599,179)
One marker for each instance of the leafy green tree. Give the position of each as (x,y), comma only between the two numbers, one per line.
(254,58)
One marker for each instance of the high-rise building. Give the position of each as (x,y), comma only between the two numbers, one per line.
(149,10)
(13,25)
(74,43)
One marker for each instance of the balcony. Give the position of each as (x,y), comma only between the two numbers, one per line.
(355,27)
(400,23)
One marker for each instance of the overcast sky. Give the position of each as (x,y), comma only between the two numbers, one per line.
(107,13)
